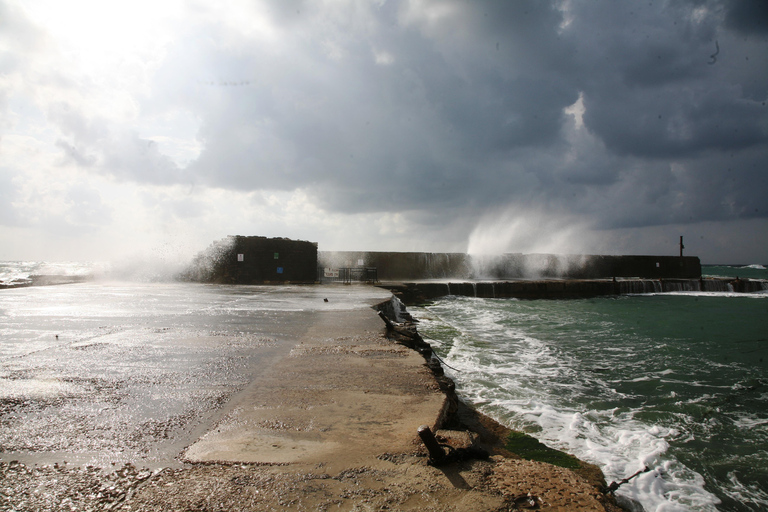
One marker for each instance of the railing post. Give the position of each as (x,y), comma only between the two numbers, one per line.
(436,453)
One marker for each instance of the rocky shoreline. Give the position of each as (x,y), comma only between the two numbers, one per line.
(342,452)
(488,437)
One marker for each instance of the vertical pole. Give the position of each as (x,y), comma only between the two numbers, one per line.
(436,453)
(681,246)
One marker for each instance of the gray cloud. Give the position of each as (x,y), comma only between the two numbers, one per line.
(8,191)
(85,208)
(470,110)
(748,16)
(451,110)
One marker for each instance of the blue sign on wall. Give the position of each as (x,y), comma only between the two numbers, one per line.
(279,270)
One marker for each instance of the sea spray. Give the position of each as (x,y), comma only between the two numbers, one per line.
(24,273)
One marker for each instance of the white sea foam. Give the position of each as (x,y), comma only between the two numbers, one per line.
(525,382)
(621,446)
(751,421)
(756,295)
(746,493)
(16,273)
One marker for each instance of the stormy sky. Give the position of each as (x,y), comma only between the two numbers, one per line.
(154,127)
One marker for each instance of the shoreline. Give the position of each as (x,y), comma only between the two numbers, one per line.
(489,436)
(332,426)
(47,280)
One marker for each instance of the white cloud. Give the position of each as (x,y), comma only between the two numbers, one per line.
(383,58)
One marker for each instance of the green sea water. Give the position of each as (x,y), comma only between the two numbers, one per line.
(675,382)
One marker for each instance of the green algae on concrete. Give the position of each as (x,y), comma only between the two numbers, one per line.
(531,448)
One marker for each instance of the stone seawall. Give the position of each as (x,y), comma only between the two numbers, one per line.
(417,292)
(401,266)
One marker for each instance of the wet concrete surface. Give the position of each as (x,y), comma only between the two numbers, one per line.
(104,375)
(345,394)
(133,396)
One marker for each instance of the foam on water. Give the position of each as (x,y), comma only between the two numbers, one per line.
(17,272)
(746,493)
(596,406)
(730,294)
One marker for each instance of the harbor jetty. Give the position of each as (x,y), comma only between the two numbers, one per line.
(333,422)
(420,276)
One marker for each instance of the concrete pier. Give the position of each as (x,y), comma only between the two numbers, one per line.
(423,291)
(406,266)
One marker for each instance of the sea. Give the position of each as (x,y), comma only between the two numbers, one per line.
(669,387)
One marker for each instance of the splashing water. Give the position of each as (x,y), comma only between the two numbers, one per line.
(678,382)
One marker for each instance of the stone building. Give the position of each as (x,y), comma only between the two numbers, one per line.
(255,260)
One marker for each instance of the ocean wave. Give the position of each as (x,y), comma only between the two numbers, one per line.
(519,363)
(743,493)
(25,273)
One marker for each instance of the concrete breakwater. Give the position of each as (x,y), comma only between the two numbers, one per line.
(401,266)
(417,292)
(261,260)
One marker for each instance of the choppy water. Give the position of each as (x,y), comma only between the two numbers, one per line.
(754,271)
(677,382)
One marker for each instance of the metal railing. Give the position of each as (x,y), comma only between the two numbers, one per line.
(348,275)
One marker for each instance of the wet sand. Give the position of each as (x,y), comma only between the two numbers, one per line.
(328,425)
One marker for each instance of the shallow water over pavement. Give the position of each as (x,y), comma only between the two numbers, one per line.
(101,373)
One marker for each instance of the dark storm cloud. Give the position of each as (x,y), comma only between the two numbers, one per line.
(688,128)
(653,93)
(748,16)
(457,108)
(436,122)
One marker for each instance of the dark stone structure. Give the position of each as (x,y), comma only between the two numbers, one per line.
(255,260)
(424,291)
(588,266)
(261,260)
(394,266)
(399,266)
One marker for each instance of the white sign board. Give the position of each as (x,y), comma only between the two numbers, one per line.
(330,272)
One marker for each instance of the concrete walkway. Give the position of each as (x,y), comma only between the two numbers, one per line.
(344,395)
